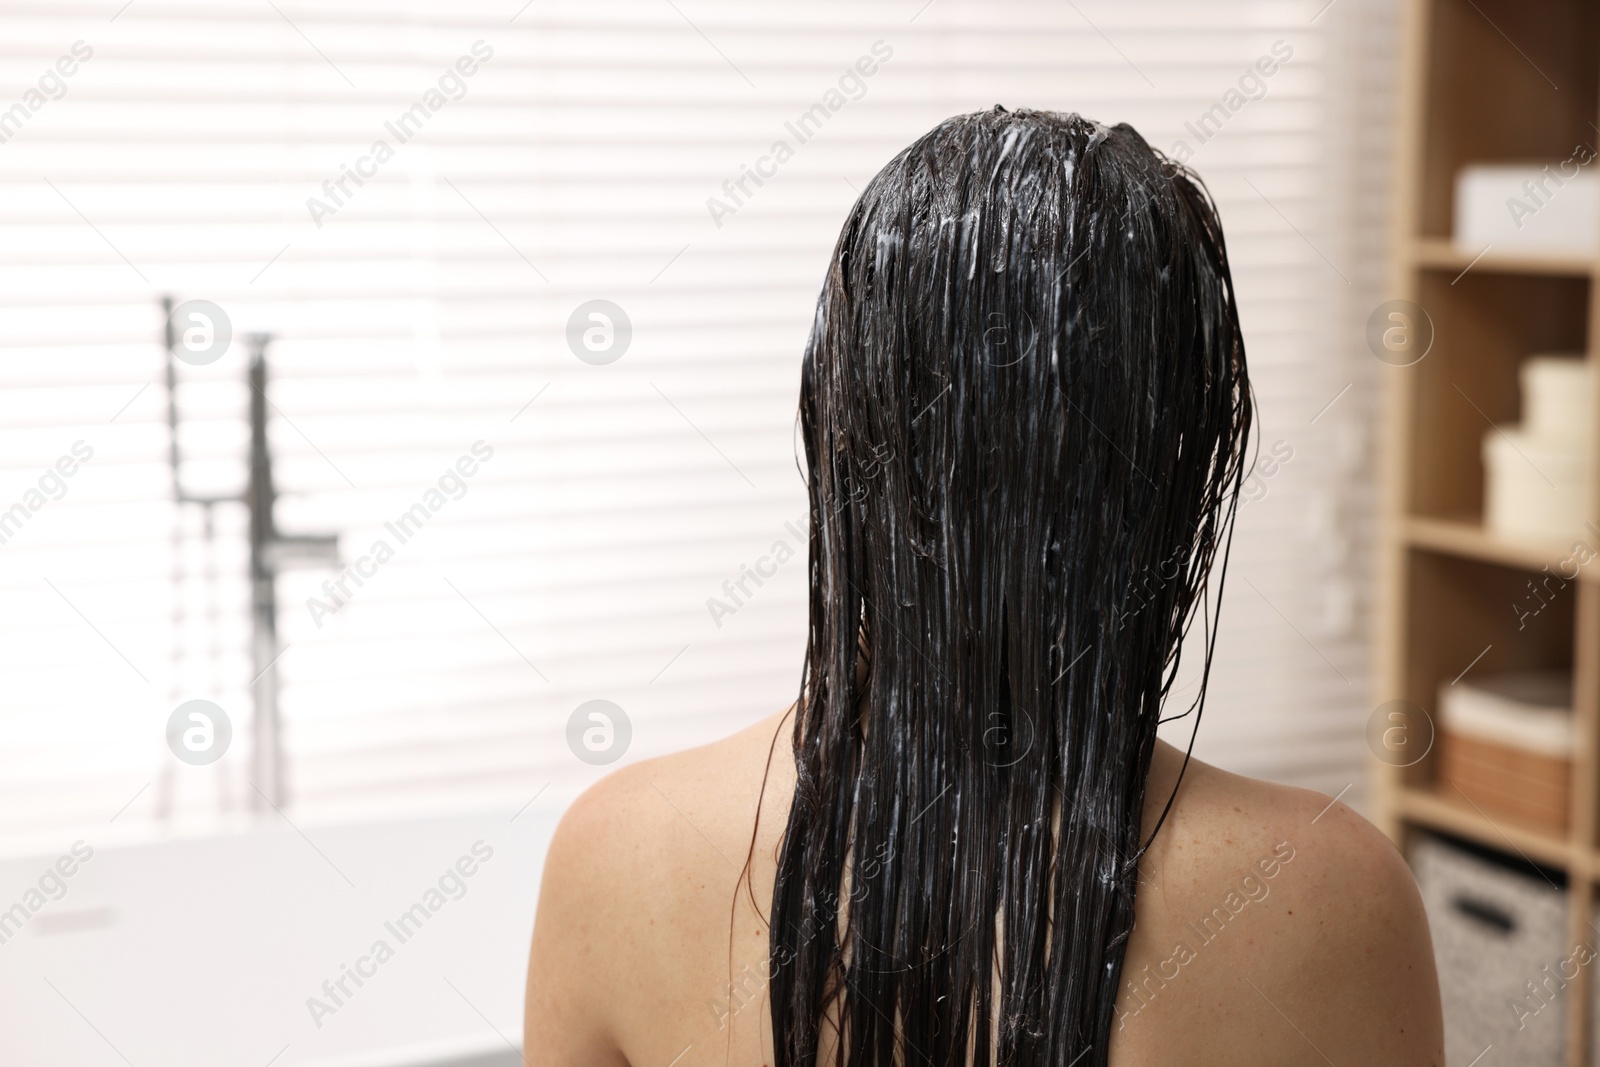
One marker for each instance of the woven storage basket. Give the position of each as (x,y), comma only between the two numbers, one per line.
(1505,742)
(1529,787)
(1495,929)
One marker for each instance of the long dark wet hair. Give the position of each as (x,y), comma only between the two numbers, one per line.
(1025,410)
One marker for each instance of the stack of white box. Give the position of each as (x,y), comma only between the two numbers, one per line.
(1537,473)
(1553,207)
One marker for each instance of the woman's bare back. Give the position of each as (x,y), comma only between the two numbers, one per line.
(1273,926)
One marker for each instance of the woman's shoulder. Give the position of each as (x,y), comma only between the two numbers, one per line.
(648,942)
(649,810)
(661,837)
(1285,912)
(1220,821)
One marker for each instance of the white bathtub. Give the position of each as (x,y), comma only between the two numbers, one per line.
(206,951)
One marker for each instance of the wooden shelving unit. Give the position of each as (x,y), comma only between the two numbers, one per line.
(1485,81)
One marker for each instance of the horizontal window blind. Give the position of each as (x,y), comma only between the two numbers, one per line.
(420,297)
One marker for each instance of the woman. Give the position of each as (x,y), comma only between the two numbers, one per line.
(1025,411)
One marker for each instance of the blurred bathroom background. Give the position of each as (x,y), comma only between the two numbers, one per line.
(398,381)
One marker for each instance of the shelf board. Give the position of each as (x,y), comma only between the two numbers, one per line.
(1468,539)
(1441,253)
(1455,815)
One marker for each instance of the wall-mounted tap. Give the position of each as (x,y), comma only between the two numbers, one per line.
(271,552)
